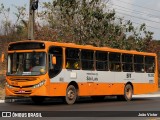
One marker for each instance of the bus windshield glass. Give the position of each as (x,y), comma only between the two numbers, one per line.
(32,63)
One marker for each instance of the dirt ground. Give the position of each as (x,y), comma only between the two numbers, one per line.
(2,92)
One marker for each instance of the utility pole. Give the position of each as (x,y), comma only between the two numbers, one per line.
(32,7)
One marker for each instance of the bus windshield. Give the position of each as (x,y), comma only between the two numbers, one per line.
(32,63)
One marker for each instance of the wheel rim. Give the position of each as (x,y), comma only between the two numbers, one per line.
(128,93)
(71,94)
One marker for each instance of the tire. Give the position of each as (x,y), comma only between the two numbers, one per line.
(128,92)
(97,98)
(38,99)
(71,95)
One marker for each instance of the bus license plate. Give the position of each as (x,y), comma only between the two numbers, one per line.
(21,91)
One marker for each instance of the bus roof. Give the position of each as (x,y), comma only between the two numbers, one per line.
(88,47)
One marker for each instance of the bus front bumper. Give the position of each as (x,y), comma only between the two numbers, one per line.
(26,92)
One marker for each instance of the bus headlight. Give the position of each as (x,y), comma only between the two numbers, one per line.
(39,84)
(9,86)
(42,71)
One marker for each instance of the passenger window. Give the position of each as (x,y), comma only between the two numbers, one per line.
(139,63)
(87,59)
(72,58)
(101,61)
(149,64)
(115,61)
(127,62)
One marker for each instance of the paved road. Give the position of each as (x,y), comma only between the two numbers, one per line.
(109,107)
(86,104)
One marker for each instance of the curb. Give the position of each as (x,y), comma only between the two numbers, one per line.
(2,101)
(146,95)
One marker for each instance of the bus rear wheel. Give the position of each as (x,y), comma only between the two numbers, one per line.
(71,95)
(128,92)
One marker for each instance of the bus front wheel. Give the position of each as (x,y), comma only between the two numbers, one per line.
(71,95)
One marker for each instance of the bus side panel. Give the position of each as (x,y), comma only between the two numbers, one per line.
(144,88)
(93,89)
(102,82)
(89,89)
(58,89)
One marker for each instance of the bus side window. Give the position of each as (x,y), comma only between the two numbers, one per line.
(149,64)
(127,62)
(101,61)
(72,58)
(139,63)
(87,59)
(115,61)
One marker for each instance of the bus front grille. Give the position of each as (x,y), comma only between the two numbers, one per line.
(24,92)
(22,79)
(28,86)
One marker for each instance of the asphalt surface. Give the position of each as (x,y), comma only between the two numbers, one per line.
(85,104)
(87,109)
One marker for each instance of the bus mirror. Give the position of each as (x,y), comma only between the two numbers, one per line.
(54,60)
(2,57)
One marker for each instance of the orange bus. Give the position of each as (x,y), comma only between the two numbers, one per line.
(40,69)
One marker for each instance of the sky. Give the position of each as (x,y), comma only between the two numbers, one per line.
(138,11)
